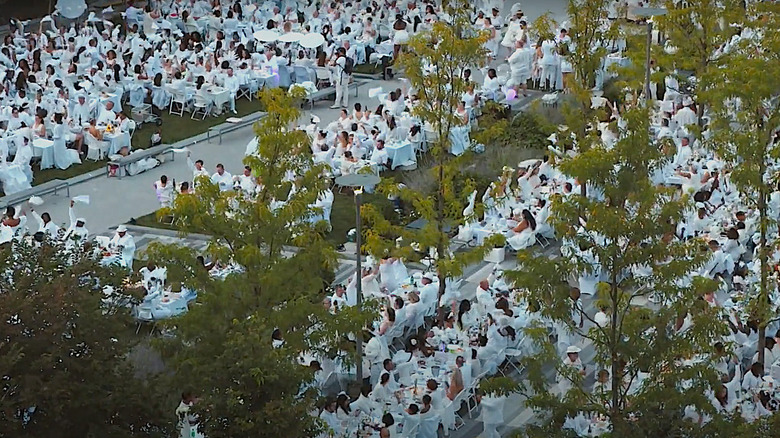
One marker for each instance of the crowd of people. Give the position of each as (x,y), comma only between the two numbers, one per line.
(68,91)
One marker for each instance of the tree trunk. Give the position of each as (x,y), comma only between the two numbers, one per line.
(440,246)
(763,255)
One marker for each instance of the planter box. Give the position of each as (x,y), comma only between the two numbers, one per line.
(496,255)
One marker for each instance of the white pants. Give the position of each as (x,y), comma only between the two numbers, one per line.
(232,101)
(342,94)
(491,431)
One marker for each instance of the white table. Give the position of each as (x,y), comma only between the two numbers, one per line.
(117,140)
(400,153)
(218,96)
(44,149)
(610,60)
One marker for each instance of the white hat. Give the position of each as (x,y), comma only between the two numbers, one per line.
(428,276)
(573,349)
(687,101)
(121,229)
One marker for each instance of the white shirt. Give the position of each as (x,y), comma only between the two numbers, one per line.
(81,113)
(232,83)
(106,116)
(380,157)
(50,228)
(224,181)
(195,172)
(127,245)
(75,234)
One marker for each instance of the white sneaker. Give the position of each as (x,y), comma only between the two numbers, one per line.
(335,107)
(235,112)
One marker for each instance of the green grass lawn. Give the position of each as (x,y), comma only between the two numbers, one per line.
(342,216)
(173,129)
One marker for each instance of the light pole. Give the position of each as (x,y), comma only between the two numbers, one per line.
(648,13)
(358,181)
(359,278)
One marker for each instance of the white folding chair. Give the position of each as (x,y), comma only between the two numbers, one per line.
(96,149)
(178,98)
(202,106)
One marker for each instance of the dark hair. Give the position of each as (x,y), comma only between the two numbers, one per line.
(530,218)
(463,307)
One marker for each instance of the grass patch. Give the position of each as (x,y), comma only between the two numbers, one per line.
(173,129)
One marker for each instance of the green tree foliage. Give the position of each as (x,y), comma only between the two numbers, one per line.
(588,46)
(628,222)
(696,30)
(433,63)
(743,90)
(64,351)
(222,348)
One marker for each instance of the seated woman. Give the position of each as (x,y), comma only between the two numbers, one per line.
(524,234)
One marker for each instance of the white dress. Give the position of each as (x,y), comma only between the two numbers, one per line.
(63,157)
(522,240)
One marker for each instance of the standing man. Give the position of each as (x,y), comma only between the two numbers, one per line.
(197,169)
(223,179)
(342,75)
(232,83)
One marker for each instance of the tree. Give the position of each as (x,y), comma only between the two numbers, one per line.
(434,63)
(697,30)
(222,349)
(744,90)
(588,47)
(64,350)
(627,223)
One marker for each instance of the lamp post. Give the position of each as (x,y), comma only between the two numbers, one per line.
(648,13)
(358,181)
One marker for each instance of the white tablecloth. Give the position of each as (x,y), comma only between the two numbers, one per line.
(118,140)
(400,153)
(44,149)
(217,96)
(609,61)
(13,178)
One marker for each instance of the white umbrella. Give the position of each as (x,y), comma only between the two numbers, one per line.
(291,37)
(312,40)
(266,35)
(71,8)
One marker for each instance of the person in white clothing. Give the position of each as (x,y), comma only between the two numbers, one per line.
(341,79)
(232,83)
(753,379)
(222,178)
(492,414)
(81,113)
(686,116)
(77,232)
(45,224)
(124,244)
(379,156)
(107,114)
(196,168)
(164,190)
(245,181)
(520,64)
